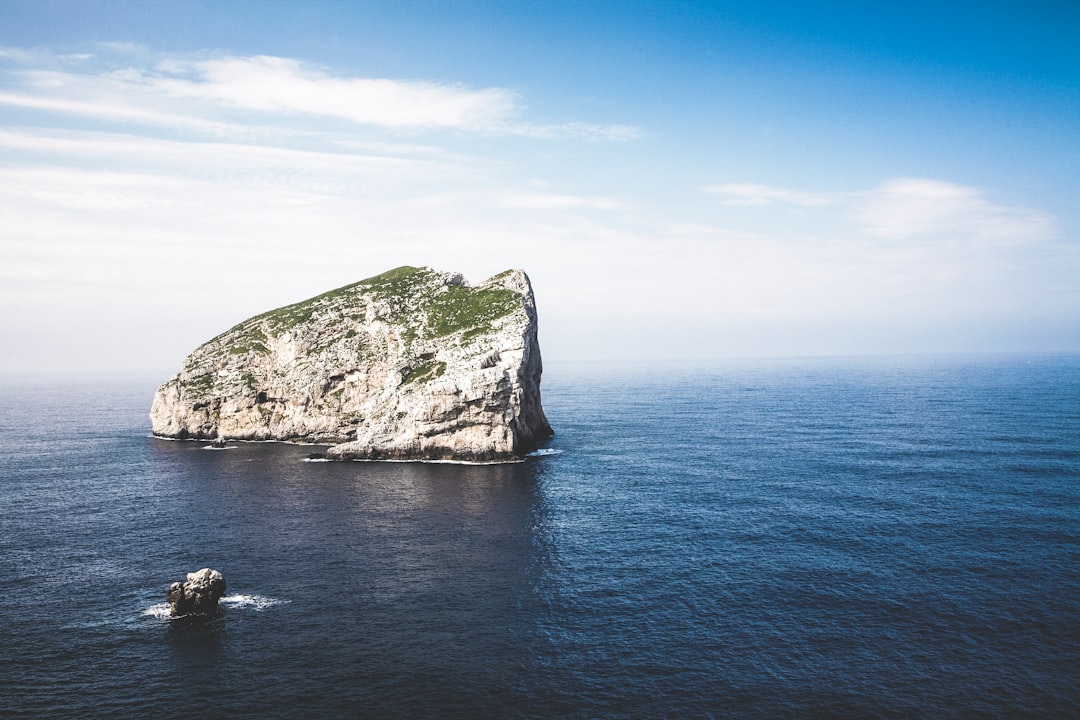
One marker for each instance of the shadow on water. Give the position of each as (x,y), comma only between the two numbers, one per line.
(197,643)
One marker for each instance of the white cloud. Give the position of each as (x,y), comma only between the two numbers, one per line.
(577,131)
(276,87)
(752,194)
(913,207)
(551,201)
(110,111)
(220,158)
(16,54)
(275,84)
(902,208)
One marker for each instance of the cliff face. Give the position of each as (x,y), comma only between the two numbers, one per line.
(410,364)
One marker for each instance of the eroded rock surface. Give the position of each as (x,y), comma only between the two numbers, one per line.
(198,595)
(410,364)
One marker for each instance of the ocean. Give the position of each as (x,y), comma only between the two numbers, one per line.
(820,538)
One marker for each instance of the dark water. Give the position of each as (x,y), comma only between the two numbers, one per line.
(832,538)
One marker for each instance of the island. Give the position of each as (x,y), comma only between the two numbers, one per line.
(412,364)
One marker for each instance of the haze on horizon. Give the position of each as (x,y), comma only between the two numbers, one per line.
(681,180)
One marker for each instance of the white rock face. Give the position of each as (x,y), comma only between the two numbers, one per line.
(410,364)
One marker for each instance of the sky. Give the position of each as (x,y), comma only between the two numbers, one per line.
(680,180)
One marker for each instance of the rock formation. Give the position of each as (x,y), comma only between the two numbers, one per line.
(412,364)
(199,595)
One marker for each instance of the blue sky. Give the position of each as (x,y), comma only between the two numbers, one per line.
(680,180)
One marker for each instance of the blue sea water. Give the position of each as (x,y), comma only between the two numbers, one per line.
(842,538)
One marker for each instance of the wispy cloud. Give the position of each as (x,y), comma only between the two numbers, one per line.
(752,194)
(198,91)
(902,208)
(117,112)
(275,84)
(576,131)
(551,201)
(912,207)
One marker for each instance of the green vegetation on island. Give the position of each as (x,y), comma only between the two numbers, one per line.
(416,298)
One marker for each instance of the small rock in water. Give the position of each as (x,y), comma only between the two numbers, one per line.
(199,595)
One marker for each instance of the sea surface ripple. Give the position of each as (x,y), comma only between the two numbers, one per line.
(841,538)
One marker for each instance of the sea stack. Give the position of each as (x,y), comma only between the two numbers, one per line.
(198,595)
(412,364)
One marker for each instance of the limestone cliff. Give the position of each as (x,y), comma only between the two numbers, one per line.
(410,364)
